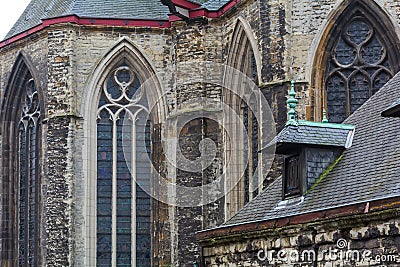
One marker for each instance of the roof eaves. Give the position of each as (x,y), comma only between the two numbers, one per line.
(358,207)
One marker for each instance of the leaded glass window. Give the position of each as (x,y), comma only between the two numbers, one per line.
(358,67)
(250,121)
(250,150)
(28,172)
(123,172)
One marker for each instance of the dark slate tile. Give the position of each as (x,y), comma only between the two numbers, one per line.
(214,5)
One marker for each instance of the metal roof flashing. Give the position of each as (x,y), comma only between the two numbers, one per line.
(327,125)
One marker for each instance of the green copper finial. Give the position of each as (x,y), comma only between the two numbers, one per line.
(292,103)
(324,119)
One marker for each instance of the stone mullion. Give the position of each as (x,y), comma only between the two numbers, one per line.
(114,193)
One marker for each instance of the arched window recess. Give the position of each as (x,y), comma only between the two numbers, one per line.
(360,54)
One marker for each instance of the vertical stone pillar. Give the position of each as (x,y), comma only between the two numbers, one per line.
(272,26)
(59,156)
(198,101)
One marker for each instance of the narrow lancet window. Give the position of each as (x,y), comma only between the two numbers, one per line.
(123,172)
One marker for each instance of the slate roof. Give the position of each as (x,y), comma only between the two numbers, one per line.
(122,9)
(198,1)
(321,134)
(214,5)
(37,10)
(368,170)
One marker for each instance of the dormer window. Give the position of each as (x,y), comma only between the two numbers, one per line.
(292,176)
(310,148)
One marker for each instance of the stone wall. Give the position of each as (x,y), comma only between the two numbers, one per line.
(364,240)
(59,155)
(197,43)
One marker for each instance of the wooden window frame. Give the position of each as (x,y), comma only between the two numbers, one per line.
(300,175)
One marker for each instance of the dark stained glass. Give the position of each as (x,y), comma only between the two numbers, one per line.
(114,163)
(33,195)
(380,79)
(250,150)
(247,172)
(124,195)
(104,249)
(104,189)
(23,196)
(345,54)
(358,32)
(143,201)
(254,141)
(337,98)
(358,67)
(359,88)
(29,187)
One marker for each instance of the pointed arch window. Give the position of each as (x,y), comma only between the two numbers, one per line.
(243,58)
(360,61)
(123,207)
(246,63)
(28,172)
(21,183)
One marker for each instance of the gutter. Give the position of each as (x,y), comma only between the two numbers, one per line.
(366,207)
(87,21)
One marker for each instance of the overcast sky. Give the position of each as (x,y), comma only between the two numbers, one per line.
(9,13)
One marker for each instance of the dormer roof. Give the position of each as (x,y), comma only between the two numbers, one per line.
(308,133)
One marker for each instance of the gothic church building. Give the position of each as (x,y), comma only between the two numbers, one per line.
(110,111)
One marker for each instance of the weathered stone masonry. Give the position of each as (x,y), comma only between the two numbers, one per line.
(59,154)
(304,242)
